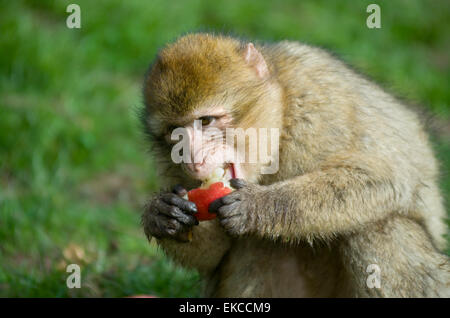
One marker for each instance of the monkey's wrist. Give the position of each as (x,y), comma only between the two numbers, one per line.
(253,208)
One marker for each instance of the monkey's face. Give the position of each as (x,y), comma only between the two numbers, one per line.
(199,144)
(196,91)
(207,147)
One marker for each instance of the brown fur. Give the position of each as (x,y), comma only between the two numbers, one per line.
(357,183)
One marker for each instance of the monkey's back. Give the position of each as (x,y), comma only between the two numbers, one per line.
(332,110)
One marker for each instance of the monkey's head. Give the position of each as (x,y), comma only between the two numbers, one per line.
(206,84)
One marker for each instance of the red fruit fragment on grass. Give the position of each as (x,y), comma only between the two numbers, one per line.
(203,198)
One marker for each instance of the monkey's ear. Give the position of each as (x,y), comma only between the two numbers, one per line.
(255,60)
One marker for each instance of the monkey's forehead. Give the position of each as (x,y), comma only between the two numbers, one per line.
(194,68)
(176,86)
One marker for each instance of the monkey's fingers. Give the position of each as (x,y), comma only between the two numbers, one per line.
(215,205)
(179,190)
(229,210)
(175,230)
(228,199)
(160,226)
(185,205)
(175,213)
(178,232)
(238,183)
(231,198)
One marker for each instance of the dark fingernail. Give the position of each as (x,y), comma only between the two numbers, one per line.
(215,205)
(192,207)
(238,183)
(194,220)
(179,190)
(171,231)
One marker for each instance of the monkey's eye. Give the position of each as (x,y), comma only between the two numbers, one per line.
(207,120)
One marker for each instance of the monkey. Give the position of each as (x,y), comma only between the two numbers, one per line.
(355,196)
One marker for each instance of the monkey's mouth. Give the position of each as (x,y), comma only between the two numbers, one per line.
(221,174)
(233,171)
(224,172)
(230,171)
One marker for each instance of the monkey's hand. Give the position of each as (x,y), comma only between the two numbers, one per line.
(168,215)
(236,211)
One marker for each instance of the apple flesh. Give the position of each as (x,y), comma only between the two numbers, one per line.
(204,197)
(211,189)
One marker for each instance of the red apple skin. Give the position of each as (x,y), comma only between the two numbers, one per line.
(204,197)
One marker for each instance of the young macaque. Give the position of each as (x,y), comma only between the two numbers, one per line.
(353,209)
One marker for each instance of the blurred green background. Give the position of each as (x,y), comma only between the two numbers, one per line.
(74,166)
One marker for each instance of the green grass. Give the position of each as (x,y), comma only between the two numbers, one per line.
(74,167)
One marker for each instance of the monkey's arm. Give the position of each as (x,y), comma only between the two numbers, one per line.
(339,198)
